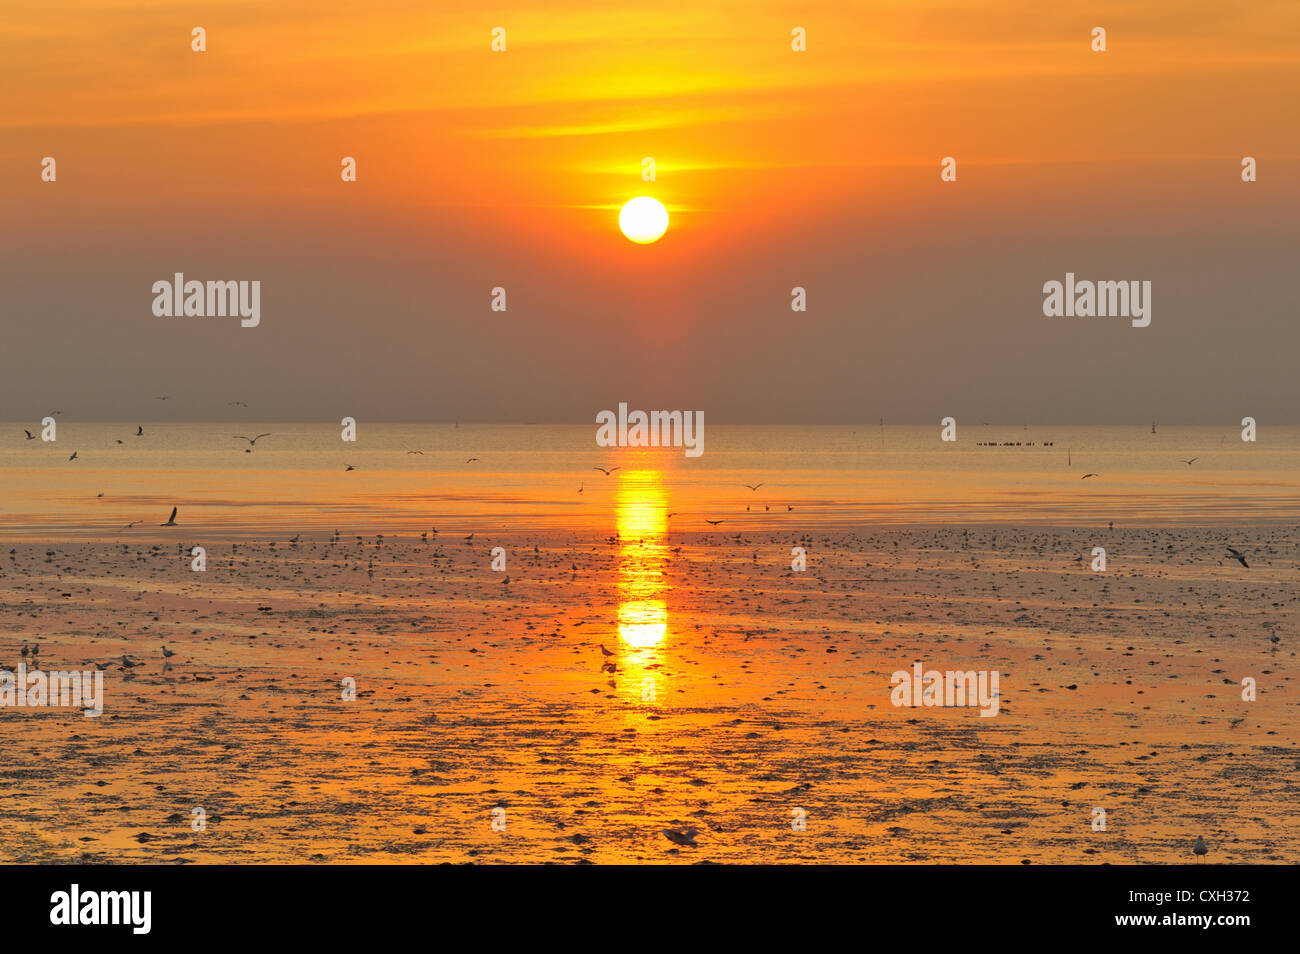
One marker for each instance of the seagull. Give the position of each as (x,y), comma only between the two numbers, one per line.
(1199,848)
(469,538)
(788,508)
(471,460)
(74,456)
(171,521)
(604,471)
(1239,557)
(128,664)
(1189,463)
(25,650)
(712,522)
(686,837)
(673,514)
(753,486)
(604,651)
(167,653)
(1086,476)
(30,435)
(139,430)
(130,525)
(581,485)
(252,441)
(348,468)
(421,453)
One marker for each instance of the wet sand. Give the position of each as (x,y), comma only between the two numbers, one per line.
(771,692)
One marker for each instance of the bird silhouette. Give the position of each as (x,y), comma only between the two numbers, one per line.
(252,441)
(1086,476)
(30,435)
(604,651)
(1199,849)
(604,471)
(712,522)
(139,430)
(74,456)
(753,486)
(171,521)
(348,468)
(471,460)
(1239,557)
(686,837)
(1189,463)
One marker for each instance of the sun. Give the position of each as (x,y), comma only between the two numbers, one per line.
(643,220)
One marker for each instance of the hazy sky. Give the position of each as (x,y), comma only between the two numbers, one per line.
(779,168)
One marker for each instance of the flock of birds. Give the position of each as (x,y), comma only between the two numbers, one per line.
(607,471)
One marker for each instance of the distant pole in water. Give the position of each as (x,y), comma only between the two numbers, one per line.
(882,432)
(1068,459)
(1153,427)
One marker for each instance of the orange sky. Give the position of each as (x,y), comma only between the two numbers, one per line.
(508,168)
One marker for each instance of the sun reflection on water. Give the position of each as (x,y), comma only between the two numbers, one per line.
(642,516)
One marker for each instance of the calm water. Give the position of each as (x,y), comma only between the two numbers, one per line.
(529,477)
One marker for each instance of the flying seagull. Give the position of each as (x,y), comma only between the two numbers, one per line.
(30,435)
(74,456)
(753,486)
(604,471)
(139,430)
(712,522)
(252,441)
(1189,463)
(471,460)
(1086,476)
(1239,557)
(171,521)
(349,467)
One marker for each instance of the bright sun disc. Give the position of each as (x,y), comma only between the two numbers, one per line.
(643,219)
